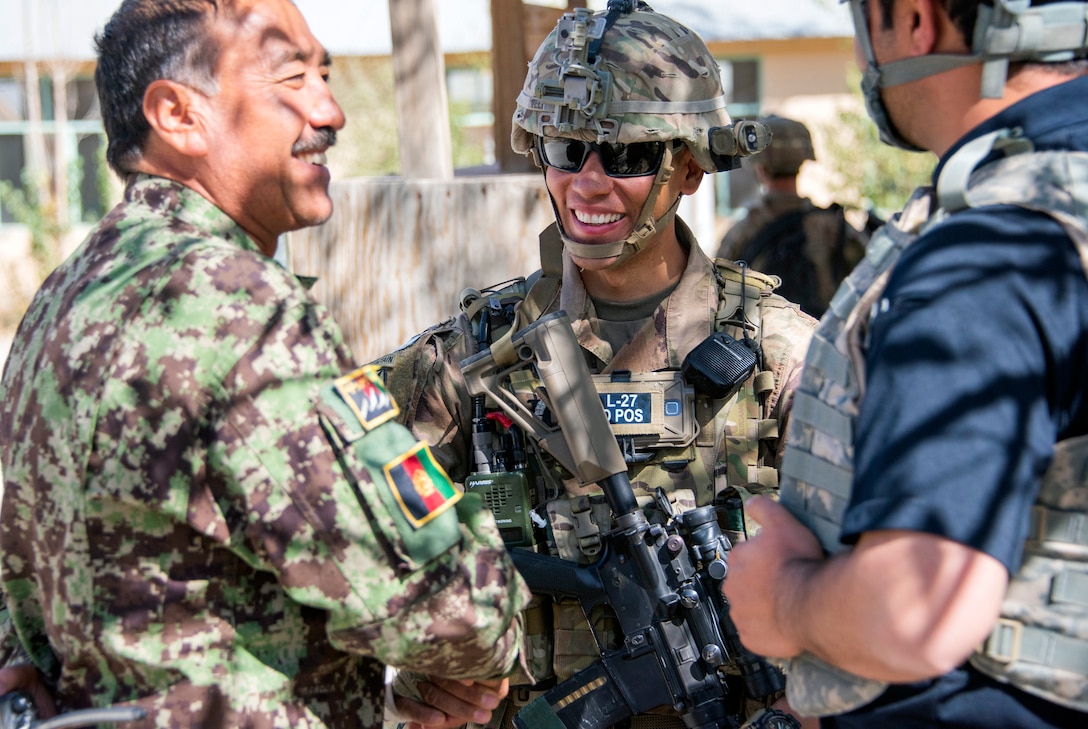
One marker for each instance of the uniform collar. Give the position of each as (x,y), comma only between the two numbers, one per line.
(169,198)
(1054,118)
(683,320)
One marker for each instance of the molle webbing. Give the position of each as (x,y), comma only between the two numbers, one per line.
(814,487)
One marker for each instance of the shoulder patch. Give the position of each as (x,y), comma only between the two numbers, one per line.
(365,394)
(420,485)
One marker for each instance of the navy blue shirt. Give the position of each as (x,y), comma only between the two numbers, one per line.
(977,364)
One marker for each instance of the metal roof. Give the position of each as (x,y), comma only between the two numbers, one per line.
(63,29)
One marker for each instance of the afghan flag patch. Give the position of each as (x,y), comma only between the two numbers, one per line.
(421,486)
(365,394)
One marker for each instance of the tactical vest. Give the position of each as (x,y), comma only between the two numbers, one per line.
(724,455)
(1040,643)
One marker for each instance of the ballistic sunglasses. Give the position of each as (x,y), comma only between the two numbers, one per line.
(618,160)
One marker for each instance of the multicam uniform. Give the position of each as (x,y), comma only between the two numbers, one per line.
(736,451)
(196,522)
(624,76)
(830,247)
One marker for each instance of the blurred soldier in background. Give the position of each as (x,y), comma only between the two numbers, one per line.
(810,248)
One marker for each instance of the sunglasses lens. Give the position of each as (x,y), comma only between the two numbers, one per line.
(563,154)
(619,160)
(632,160)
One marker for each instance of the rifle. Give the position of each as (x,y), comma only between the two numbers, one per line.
(662,581)
(17,712)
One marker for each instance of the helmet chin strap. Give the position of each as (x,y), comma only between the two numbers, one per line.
(646,226)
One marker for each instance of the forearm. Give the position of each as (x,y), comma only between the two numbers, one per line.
(470,627)
(899,607)
(457,618)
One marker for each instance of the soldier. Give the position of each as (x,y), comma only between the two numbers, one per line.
(624,111)
(204,517)
(941,458)
(810,248)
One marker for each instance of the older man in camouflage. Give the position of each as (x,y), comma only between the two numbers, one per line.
(204,516)
(624,111)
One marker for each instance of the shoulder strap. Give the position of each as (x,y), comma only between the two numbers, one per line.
(545,286)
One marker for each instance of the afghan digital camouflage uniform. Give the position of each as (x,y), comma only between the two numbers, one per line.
(811,265)
(739,444)
(179,533)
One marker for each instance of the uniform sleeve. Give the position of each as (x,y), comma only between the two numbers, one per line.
(425,377)
(424,585)
(12,652)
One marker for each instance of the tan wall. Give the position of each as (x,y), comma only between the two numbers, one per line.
(806,69)
(809,80)
(396,254)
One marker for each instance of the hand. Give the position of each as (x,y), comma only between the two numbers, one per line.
(25,677)
(807,722)
(451,703)
(765,575)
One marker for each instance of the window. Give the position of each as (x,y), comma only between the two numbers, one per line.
(12,105)
(82,142)
(470,90)
(12,162)
(740,80)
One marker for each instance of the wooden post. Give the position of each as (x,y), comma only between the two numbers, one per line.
(419,72)
(37,166)
(508,64)
(517,28)
(59,72)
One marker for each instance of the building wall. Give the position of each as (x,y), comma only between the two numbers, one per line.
(806,79)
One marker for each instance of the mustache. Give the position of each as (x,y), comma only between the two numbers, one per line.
(322,138)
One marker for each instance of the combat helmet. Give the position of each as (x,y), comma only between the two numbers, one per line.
(629,74)
(791,145)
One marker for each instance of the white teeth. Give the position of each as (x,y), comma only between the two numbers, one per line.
(598,218)
(314,158)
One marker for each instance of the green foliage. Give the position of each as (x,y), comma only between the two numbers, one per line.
(870,174)
(368,144)
(467,142)
(33,207)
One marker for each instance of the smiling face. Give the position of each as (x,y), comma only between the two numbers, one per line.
(271,122)
(596,209)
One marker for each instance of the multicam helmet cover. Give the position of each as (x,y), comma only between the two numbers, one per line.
(629,74)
